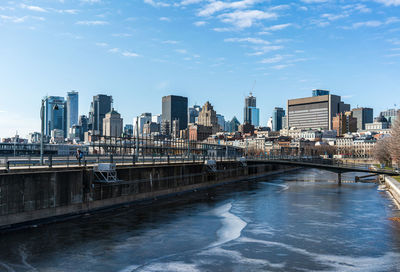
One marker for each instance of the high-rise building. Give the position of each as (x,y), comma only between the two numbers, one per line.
(144,118)
(112,124)
(233,125)
(318,92)
(100,106)
(221,121)
(251,112)
(156,119)
(270,123)
(363,116)
(175,108)
(194,113)
(390,116)
(55,114)
(83,122)
(344,123)
(277,117)
(314,112)
(128,130)
(208,117)
(72,108)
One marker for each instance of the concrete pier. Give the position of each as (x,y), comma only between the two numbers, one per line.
(28,197)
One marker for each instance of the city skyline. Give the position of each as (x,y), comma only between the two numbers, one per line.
(203,50)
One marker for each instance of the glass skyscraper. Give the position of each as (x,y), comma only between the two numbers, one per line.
(54,114)
(277,122)
(72,109)
(251,112)
(175,108)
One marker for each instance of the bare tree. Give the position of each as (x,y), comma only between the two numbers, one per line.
(381,151)
(395,142)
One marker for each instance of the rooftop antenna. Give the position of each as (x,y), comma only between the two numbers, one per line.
(252,89)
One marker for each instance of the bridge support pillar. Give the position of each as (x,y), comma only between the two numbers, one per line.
(340,178)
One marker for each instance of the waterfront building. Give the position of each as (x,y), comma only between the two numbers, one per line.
(380,123)
(99,107)
(143,119)
(194,113)
(112,124)
(277,117)
(156,119)
(72,109)
(175,108)
(128,130)
(318,92)
(221,122)
(208,117)
(83,122)
(363,116)
(150,128)
(314,112)
(55,114)
(390,116)
(199,132)
(344,123)
(34,137)
(251,112)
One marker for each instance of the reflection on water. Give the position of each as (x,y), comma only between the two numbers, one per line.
(300,221)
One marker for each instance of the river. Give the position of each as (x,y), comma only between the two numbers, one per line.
(298,221)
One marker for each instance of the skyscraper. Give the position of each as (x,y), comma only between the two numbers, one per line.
(144,118)
(251,112)
(99,107)
(194,113)
(363,116)
(112,124)
(390,115)
(72,108)
(175,108)
(318,92)
(55,115)
(314,112)
(277,117)
(208,117)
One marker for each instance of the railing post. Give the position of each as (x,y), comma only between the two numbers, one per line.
(8,166)
(50,161)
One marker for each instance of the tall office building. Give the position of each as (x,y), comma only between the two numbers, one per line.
(112,124)
(314,112)
(156,119)
(390,115)
(175,108)
(221,121)
(55,114)
(318,92)
(100,106)
(83,123)
(233,125)
(251,112)
(363,116)
(277,122)
(72,109)
(194,113)
(344,123)
(144,118)
(208,117)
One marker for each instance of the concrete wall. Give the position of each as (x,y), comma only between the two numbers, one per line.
(393,187)
(31,196)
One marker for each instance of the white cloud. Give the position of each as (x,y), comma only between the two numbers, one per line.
(129,54)
(166,19)
(101,44)
(189,2)
(314,1)
(156,3)
(277,27)
(92,23)
(389,2)
(334,17)
(170,42)
(33,8)
(200,23)
(244,19)
(275,59)
(91,1)
(216,6)
(249,40)
(114,50)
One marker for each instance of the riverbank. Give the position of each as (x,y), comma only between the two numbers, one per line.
(394,188)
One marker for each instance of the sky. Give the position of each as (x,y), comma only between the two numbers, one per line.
(208,50)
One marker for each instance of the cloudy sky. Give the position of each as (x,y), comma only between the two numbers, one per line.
(212,50)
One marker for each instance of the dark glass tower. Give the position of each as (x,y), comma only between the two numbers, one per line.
(175,108)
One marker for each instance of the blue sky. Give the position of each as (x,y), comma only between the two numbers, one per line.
(139,51)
